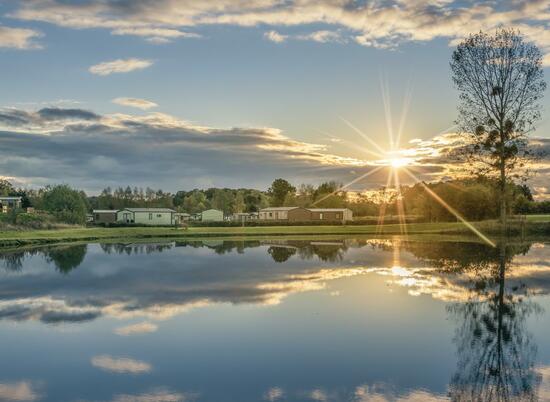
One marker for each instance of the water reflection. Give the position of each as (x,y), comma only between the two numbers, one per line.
(489,295)
(496,353)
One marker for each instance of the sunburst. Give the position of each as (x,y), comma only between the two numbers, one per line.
(395,160)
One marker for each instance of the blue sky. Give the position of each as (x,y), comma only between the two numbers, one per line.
(295,66)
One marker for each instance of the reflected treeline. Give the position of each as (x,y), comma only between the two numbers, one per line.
(64,258)
(279,250)
(129,249)
(463,256)
(67,258)
(496,353)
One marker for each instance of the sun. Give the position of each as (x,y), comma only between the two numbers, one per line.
(397,163)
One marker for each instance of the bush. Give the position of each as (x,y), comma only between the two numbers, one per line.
(34,221)
(66,204)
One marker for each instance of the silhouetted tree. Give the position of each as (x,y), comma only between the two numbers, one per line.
(500,80)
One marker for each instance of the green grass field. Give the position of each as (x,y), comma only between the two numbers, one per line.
(535,224)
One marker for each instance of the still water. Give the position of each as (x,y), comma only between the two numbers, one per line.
(276,320)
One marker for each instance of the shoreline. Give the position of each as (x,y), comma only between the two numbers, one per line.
(17,238)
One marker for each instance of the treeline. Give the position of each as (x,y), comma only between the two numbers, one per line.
(227,200)
(475,199)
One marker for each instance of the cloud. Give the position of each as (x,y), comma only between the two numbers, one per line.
(156,396)
(155,35)
(275,36)
(141,328)
(135,102)
(382,24)
(120,66)
(274,394)
(120,365)
(66,114)
(322,36)
(386,393)
(40,147)
(22,391)
(19,38)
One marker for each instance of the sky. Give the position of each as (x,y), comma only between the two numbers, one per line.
(235,93)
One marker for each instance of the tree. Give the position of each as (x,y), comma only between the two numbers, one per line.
(6,188)
(500,81)
(278,191)
(239,204)
(66,204)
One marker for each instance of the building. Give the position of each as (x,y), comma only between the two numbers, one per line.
(244,216)
(212,215)
(146,216)
(298,214)
(331,214)
(291,214)
(180,217)
(104,216)
(7,203)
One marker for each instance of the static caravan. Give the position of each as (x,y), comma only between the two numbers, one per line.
(147,216)
(104,215)
(331,214)
(291,214)
(212,215)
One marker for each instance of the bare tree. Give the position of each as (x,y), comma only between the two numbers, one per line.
(501,83)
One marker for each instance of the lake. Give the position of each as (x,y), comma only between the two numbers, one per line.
(352,319)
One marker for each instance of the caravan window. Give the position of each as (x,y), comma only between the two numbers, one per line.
(150,216)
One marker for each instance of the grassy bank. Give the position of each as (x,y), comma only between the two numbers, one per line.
(36,237)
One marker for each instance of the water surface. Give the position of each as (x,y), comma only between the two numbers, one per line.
(276,320)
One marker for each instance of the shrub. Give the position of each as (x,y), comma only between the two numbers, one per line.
(66,204)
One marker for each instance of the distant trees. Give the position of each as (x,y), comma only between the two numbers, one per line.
(131,197)
(66,204)
(475,199)
(500,81)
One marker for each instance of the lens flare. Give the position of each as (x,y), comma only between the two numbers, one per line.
(397,163)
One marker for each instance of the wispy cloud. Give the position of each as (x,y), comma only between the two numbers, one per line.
(156,396)
(135,102)
(322,36)
(120,365)
(141,328)
(19,38)
(120,66)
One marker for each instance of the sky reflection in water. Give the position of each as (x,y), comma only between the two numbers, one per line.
(278,320)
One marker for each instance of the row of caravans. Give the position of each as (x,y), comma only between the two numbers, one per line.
(153,216)
(167,216)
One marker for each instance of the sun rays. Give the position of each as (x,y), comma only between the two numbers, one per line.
(395,161)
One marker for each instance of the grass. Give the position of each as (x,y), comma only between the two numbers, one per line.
(538,218)
(539,225)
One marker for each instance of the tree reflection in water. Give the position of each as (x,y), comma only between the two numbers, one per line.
(496,353)
(64,258)
(67,258)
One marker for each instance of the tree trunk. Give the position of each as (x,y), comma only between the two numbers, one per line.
(503,197)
